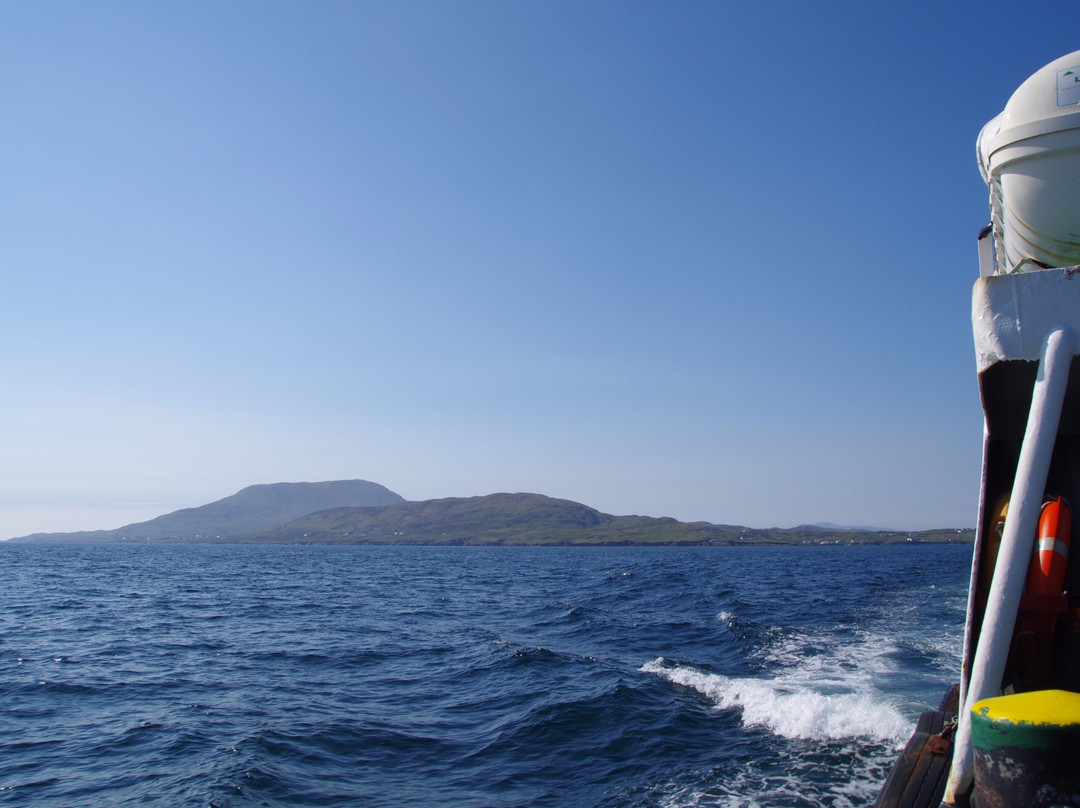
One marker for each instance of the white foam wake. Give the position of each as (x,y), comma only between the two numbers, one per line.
(790,706)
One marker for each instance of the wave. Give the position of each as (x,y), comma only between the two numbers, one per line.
(792,707)
(821,729)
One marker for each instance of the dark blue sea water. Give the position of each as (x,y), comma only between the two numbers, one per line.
(233,676)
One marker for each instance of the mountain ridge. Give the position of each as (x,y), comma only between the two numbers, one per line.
(250,508)
(535,519)
(361,512)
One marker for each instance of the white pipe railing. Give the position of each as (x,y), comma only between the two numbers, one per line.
(1017,543)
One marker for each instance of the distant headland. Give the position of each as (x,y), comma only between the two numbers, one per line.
(362,512)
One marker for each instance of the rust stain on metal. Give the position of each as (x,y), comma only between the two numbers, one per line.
(941,743)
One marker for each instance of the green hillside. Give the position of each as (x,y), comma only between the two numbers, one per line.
(526,519)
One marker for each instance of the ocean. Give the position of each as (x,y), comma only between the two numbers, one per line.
(230,676)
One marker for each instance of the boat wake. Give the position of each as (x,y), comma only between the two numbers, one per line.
(791,707)
(823,715)
(812,699)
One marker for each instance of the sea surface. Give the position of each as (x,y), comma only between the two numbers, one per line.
(229,676)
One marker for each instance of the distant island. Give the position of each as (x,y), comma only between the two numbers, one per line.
(362,512)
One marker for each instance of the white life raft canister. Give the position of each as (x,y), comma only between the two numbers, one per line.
(1029,156)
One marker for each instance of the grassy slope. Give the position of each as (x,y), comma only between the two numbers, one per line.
(523,519)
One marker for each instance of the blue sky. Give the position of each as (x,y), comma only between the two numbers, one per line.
(694,259)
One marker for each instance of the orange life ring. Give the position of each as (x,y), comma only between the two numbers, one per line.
(1033,651)
(1046,575)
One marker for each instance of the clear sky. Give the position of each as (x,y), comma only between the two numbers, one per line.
(705,260)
